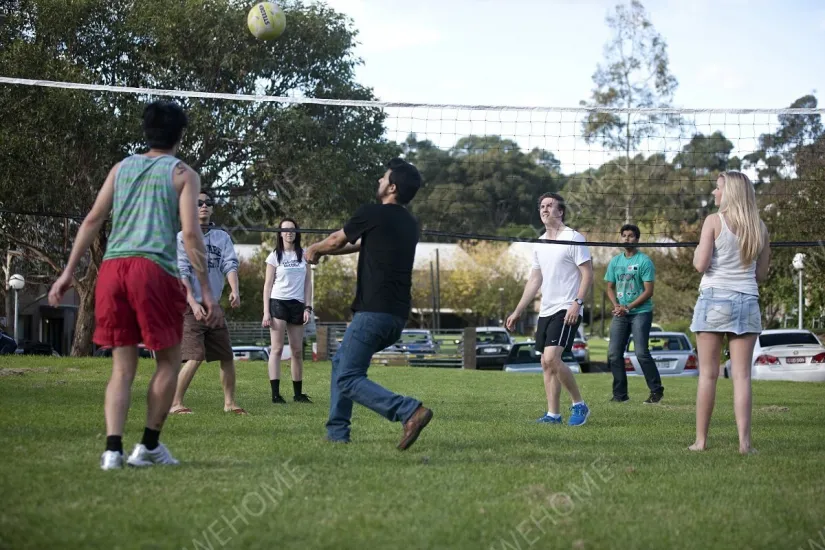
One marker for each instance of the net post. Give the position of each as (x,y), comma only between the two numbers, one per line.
(322,343)
(469,355)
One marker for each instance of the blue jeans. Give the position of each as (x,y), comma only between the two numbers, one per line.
(620,330)
(368,333)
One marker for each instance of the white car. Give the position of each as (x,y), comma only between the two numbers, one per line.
(786,354)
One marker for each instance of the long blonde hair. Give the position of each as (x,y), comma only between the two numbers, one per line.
(739,207)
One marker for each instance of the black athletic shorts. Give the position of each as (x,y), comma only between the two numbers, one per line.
(551,331)
(291,311)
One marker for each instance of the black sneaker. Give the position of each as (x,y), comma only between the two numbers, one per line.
(302,398)
(620,399)
(654,398)
(278,399)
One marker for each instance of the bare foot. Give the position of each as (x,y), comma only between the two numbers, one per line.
(697,447)
(180,410)
(747,451)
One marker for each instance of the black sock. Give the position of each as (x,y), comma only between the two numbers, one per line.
(276,387)
(114,443)
(150,438)
(296,387)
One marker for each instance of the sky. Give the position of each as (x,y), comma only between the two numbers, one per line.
(754,54)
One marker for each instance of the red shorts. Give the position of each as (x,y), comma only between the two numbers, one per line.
(136,301)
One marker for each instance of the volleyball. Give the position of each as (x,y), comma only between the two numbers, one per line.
(266,21)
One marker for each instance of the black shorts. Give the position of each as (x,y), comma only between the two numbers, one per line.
(551,331)
(291,311)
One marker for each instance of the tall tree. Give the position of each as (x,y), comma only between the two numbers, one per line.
(635,74)
(481,184)
(306,160)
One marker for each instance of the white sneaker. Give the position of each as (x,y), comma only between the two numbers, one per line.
(142,456)
(111,460)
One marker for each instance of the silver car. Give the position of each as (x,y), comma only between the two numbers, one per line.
(523,357)
(672,351)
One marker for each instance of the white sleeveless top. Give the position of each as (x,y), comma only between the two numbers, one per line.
(726,270)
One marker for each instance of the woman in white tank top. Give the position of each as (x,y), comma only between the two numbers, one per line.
(734,256)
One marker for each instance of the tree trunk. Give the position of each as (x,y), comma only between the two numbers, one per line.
(85,323)
(85,288)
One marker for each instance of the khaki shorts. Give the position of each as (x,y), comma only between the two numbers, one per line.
(202,342)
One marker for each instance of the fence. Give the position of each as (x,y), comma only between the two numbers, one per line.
(417,348)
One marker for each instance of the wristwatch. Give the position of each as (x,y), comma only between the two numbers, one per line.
(579,301)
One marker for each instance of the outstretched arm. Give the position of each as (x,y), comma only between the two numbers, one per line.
(348,248)
(331,246)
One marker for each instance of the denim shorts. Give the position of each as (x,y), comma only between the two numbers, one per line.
(719,310)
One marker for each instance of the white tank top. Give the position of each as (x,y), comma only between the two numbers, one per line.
(726,270)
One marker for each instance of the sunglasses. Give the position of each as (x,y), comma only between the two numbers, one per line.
(207,203)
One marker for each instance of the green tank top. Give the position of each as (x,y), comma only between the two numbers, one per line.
(145,218)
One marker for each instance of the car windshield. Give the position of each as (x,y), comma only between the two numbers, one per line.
(414,338)
(664,343)
(492,338)
(787,339)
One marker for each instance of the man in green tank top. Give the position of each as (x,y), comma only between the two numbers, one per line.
(138,296)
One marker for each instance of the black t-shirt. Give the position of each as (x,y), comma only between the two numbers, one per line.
(389,235)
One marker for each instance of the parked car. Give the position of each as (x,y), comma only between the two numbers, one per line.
(523,357)
(143,353)
(672,351)
(258,353)
(29,347)
(493,345)
(418,342)
(786,354)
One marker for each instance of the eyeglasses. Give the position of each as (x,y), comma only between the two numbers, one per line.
(206,202)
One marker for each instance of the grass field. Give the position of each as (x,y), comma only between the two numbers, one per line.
(483,475)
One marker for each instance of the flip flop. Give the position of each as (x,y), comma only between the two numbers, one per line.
(237,410)
(183,410)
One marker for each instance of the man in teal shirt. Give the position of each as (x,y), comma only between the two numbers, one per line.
(630,278)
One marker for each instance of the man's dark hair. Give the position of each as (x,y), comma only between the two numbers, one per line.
(559,201)
(631,227)
(163,124)
(208,195)
(406,178)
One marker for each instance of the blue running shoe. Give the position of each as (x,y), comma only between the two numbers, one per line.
(579,414)
(547,419)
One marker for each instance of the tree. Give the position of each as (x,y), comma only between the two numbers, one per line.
(481,184)
(306,160)
(251,277)
(335,283)
(636,74)
(790,164)
(472,283)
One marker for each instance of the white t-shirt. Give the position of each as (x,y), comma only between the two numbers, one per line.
(559,265)
(290,276)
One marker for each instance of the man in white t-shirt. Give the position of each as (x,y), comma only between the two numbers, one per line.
(563,273)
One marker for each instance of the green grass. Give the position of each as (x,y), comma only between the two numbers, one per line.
(475,477)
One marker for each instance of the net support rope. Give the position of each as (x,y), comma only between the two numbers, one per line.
(260,98)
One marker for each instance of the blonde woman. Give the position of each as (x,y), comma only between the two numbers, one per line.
(734,256)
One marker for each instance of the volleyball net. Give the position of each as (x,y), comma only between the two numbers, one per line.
(483,166)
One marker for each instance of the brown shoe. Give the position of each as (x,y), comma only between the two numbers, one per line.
(417,422)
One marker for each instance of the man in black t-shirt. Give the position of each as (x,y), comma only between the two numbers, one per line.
(386,235)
